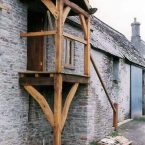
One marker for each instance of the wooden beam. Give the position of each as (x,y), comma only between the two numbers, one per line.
(65,13)
(84,25)
(42,102)
(35,34)
(57,108)
(52,8)
(81,40)
(41,81)
(49,81)
(87,50)
(102,83)
(59,37)
(75,79)
(68,103)
(76,8)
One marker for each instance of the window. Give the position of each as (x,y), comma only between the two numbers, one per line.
(115,69)
(69,52)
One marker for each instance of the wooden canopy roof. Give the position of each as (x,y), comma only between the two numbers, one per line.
(37,5)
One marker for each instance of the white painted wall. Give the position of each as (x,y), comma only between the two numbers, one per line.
(124,91)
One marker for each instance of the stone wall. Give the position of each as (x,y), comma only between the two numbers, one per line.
(22,121)
(100,115)
(124,96)
(99,110)
(13,99)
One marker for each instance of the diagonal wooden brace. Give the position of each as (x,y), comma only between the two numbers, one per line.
(42,102)
(68,103)
(84,25)
(76,8)
(65,13)
(52,8)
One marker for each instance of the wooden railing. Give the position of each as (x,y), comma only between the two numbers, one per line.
(114,106)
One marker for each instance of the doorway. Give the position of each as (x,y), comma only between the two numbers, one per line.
(136,92)
(35,45)
(143,107)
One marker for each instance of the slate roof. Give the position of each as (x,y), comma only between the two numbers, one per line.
(123,48)
(107,39)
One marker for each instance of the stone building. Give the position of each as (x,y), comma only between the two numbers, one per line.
(139,45)
(121,66)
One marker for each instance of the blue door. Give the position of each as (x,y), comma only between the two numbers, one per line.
(136,92)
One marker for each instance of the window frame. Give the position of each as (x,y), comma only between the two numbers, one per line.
(115,70)
(69,47)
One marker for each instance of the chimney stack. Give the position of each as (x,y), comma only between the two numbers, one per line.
(136,39)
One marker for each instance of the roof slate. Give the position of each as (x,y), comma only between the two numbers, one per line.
(122,46)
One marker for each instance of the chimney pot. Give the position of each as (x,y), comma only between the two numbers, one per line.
(135,20)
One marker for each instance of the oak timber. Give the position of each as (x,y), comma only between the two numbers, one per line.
(42,102)
(57,78)
(87,50)
(102,83)
(57,108)
(115,116)
(59,37)
(51,7)
(68,103)
(35,34)
(76,8)
(41,81)
(75,79)
(65,13)
(47,79)
(74,38)
(84,25)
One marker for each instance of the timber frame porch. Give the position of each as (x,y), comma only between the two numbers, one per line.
(60,10)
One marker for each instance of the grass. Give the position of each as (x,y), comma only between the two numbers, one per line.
(114,134)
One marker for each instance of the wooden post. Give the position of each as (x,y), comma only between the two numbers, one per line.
(115,117)
(87,50)
(57,108)
(59,36)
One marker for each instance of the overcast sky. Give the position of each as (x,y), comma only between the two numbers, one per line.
(119,14)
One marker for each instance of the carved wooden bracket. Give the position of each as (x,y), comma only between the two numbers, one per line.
(42,102)
(52,8)
(65,13)
(46,108)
